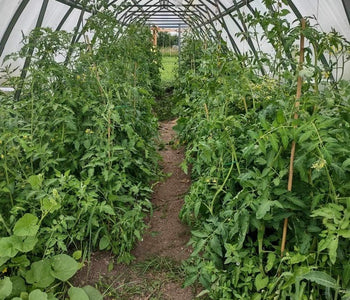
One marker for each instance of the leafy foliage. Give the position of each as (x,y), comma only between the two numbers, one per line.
(238,126)
(77,152)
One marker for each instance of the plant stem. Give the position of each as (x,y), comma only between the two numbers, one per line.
(292,153)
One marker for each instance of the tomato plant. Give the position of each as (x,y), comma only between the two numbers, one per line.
(238,126)
(78,148)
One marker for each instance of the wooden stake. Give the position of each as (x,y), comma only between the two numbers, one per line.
(292,153)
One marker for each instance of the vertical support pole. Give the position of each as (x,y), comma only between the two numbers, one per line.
(179,38)
(31,50)
(154,36)
(179,43)
(292,153)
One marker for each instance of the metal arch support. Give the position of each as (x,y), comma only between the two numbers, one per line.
(209,11)
(31,50)
(299,16)
(191,24)
(346,5)
(149,13)
(71,4)
(127,16)
(223,24)
(65,17)
(76,36)
(249,40)
(12,24)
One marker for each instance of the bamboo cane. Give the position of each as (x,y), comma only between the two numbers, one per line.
(292,153)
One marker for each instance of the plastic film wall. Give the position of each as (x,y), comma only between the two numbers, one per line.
(209,18)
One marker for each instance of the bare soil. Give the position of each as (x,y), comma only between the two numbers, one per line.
(156,272)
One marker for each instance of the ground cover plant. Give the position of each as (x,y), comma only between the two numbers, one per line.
(239,126)
(77,155)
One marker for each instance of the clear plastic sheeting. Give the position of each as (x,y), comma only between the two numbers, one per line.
(211,19)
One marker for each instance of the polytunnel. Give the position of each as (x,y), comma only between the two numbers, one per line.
(213,19)
(174,149)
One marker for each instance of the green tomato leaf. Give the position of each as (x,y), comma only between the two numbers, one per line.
(271,258)
(264,208)
(332,249)
(215,245)
(261,281)
(26,226)
(50,205)
(63,267)
(104,242)
(321,278)
(36,181)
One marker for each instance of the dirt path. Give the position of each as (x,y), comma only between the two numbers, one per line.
(167,236)
(156,273)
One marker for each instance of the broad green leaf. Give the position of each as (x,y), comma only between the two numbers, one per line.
(5,287)
(333,246)
(26,226)
(256,296)
(63,267)
(40,274)
(346,163)
(280,117)
(18,285)
(261,281)
(215,245)
(77,294)
(8,247)
(190,280)
(244,226)
(346,274)
(197,206)
(271,258)
(36,181)
(104,242)
(92,293)
(321,278)
(4,259)
(50,204)
(37,295)
(264,208)
(26,244)
(274,142)
(198,247)
(306,135)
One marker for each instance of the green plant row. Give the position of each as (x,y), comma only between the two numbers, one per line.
(239,126)
(77,154)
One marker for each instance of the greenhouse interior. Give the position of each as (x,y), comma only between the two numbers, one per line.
(174,149)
